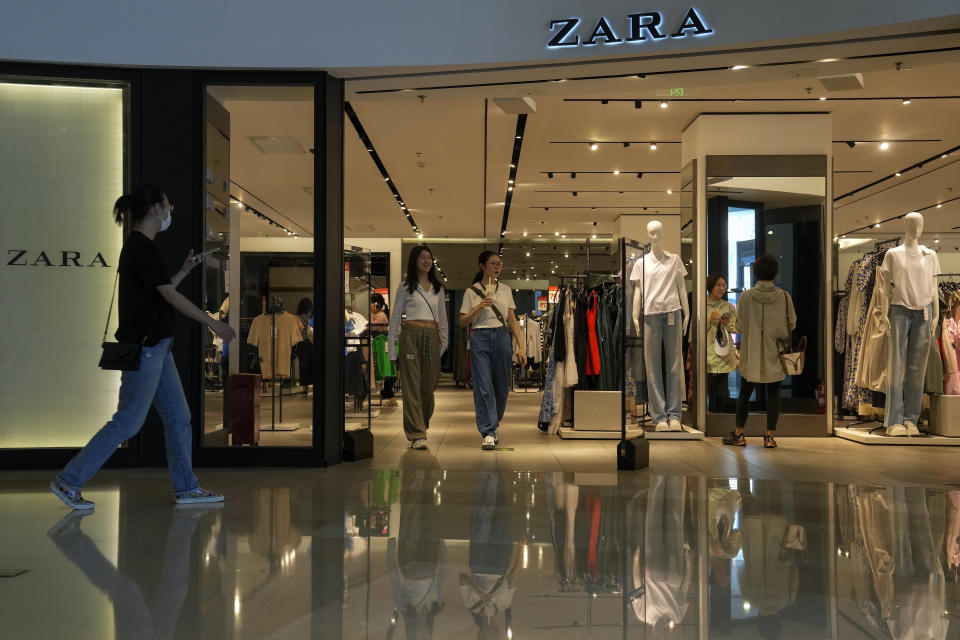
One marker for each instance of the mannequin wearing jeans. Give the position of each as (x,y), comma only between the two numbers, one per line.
(659,297)
(910,271)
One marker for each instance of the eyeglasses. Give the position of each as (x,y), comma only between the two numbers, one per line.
(494,264)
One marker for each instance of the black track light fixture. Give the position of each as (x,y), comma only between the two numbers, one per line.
(550,174)
(574,194)
(546,209)
(641,75)
(638,104)
(851,144)
(604,102)
(573,175)
(639,174)
(626,145)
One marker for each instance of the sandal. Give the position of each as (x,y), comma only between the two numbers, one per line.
(769,442)
(734,440)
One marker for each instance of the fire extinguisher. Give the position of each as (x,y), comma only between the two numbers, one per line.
(821,399)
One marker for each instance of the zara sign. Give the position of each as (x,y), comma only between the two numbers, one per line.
(640,27)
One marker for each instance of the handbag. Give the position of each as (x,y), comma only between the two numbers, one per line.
(791,358)
(120,356)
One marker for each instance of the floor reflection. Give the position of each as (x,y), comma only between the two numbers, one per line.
(419,553)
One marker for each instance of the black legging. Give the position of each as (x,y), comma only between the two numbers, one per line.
(387,391)
(772,398)
(717,391)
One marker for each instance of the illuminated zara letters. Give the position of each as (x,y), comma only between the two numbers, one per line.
(640,27)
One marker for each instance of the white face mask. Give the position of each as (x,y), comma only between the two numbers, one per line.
(165,222)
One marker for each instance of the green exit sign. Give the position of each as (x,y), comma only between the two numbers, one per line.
(677,92)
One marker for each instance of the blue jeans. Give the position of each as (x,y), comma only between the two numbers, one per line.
(663,338)
(907,351)
(156,382)
(490,355)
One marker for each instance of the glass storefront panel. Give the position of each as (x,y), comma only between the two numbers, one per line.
(259,273)
(62,166)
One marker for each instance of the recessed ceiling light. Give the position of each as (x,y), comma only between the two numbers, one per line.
(556,233)
(669,192)
(528,254)
(594,147)
(737,67)
(884,146)
(563,235)
(937,241)
(770,233)
(663,104)
(594,236)
(524,234)
(823,97)
(653,146)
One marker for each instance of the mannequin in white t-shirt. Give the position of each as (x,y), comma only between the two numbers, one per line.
(910,310)
(660,302)
(655,233)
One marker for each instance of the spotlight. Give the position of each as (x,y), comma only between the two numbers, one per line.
(639,174)
(669,192)
(593,208)
(546,208)
(884,146)
(876,226)
(509,188)
(851,144)
(626,145)
(604,102)
(897,174)
(653,146)
(638,104)
(573,175)
(616,172)
(663,104)
(594,147)
(594,236)
(556,233)
(550,174)
(524,234)
(641,75)
(528,254)
(940,206)
(906,101)
(574,194)
(737,67)
(823,97)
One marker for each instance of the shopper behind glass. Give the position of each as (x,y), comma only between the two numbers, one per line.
(488,310)
(146,300)
(722,317)
(304,348)
(379,323)
(766,315)
(423,340)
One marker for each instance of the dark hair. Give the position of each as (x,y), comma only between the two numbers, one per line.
(713,278)
(486,255)
(134,206)
(413,277)
(305,306)
(765,267)
(377,299)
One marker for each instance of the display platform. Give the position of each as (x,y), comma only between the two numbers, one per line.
(863,435)
(569,433)
(282,426)
(688,433)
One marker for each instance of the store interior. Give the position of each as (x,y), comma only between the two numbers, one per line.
(561,168)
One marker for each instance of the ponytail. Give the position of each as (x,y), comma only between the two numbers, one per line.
(482,260)
(477,278)
(134,206)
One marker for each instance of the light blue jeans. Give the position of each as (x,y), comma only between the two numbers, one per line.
(490,355)
(663,340)
(907,351)
(158,383)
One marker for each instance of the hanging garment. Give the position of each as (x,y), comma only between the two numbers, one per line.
(950,347)
(570,365)
(287,334)
(871,372)
(580,336)
(593,343)
(383,366)
(860,280)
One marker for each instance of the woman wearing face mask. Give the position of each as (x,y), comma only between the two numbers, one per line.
(488,310)
(147,297)
(423,339)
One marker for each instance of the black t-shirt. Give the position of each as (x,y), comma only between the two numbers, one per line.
(140,306)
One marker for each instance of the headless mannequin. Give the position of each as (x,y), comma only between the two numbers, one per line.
(913,229)
(655,233)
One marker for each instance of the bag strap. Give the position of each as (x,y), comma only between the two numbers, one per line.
(493,307)
(428,306)
(113,297)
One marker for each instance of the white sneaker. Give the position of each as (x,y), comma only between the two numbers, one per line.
(911,428)
(661,426)
(496,436)
(419,444)
(896,430)
(675,425)
(488,443)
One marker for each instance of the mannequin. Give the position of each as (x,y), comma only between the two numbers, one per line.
(660,297)
(909,315)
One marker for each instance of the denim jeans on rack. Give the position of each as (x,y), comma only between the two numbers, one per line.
(158,383)
(907,351)
(662,341)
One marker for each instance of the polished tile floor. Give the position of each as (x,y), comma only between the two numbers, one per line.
(821,538)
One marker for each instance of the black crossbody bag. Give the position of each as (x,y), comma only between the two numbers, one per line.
(121,356)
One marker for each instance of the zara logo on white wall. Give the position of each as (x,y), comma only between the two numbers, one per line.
(640,27)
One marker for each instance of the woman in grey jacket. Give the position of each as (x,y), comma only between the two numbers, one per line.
(766,315)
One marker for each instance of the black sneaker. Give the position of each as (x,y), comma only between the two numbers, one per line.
(734,440)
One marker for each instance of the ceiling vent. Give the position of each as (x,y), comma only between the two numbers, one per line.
(277,144)
(515,106)
(356,228)
(846,82)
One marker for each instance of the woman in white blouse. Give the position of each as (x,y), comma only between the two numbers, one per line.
(423,339)
(488,310)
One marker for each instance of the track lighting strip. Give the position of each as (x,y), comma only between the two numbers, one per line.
(899,216)
(512,176)
(897,174)
(634,101)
